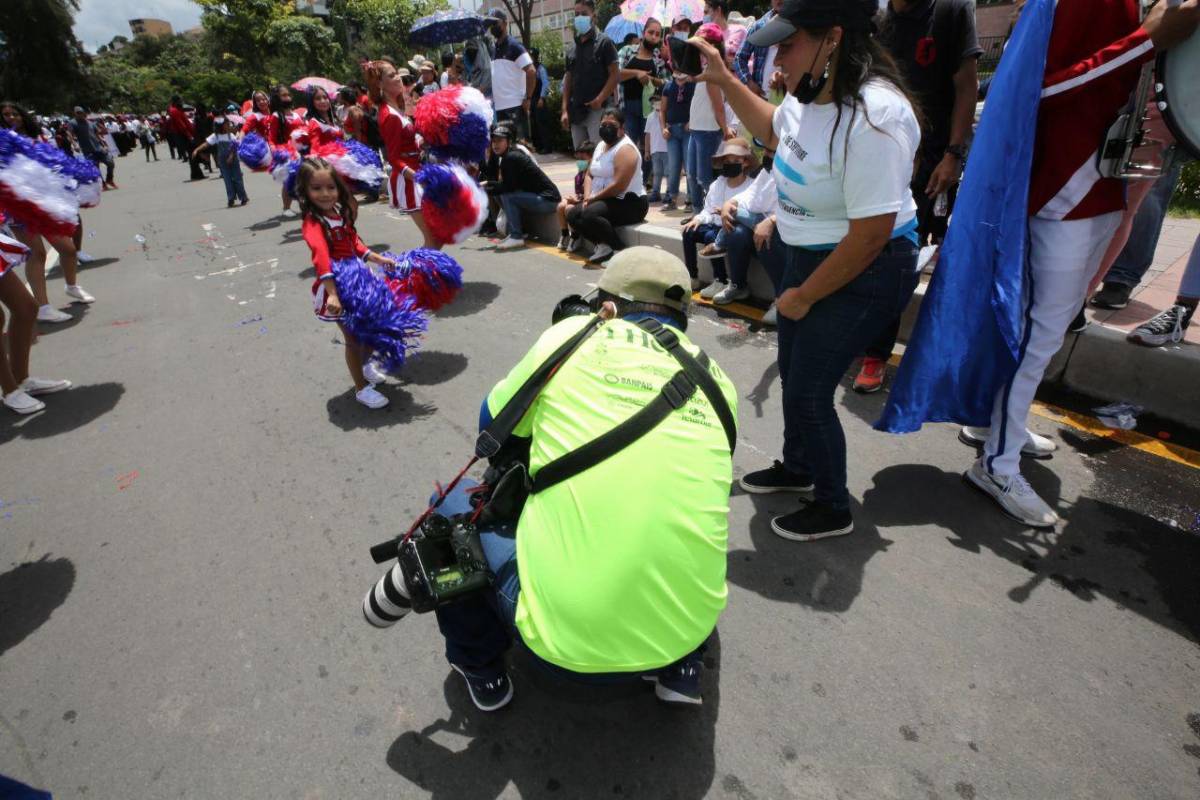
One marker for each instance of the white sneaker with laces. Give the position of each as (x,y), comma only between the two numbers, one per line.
(49,313)
(1166,328)
(602,253)
(1014,495)
(22,403)
(80,294)
(511,243)
(39,386)
(373,372)
(84,257)
(1035,446)
(731,293)
(370,397)
(713,289)
(771,316)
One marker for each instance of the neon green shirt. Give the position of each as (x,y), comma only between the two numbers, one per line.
(622,567)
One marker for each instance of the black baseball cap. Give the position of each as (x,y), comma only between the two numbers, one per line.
(794,14)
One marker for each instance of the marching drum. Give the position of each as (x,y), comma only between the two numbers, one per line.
(1179,93)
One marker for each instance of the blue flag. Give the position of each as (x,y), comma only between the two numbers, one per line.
(968,334)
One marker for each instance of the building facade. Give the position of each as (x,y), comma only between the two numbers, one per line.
(150,27)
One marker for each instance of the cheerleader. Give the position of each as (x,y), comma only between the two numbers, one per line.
(20,391)
(280,126)
(321,128)
(258,114)
(16,118)
(403,151)
(329,212)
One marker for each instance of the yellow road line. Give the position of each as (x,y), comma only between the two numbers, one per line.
(1072,419)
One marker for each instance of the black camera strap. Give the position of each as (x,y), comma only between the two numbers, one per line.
(673,396)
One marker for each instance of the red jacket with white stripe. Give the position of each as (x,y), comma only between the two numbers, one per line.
(1096,51)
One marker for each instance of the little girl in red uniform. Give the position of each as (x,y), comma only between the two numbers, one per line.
(329,212)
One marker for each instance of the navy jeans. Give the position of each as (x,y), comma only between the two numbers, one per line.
(1138,254)
(702,145)
(517,203)
(815,352)
(697,237)
(480,629)
(231,173)
(739,247)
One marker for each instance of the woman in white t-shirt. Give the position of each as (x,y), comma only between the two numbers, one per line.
(616,195)
(845,139)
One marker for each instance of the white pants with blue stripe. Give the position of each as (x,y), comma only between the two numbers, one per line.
(1063,257)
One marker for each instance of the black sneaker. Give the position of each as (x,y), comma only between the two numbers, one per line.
(488,692)
(1166,328)
(678,684)
(813,521)
(1080,323)
(775,478)
(1114,296)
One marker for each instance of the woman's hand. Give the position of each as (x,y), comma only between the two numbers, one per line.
(333,303)
(692,224)
(728,212)
(763,232)
(715,70)
(792,304)
(643,77)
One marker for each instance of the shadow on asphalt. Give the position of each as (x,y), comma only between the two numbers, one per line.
(265,225)
(762,390)
(557,739)
(308,272)
(824,575)
(349,414)
(29,594)
(1099,550)
(65,411)
(431,367)
(97,262)
(472,298)
(77,311)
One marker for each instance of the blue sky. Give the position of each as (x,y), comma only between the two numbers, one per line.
(98,21)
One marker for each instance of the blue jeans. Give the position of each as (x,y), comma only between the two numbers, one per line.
(677,147)
(698,237)
(815,352)
(517,203)
(480,629)
(739,246)
(1189,286)
(701,147)
(635,123)
(1138,254)
(658,171)
(235,188)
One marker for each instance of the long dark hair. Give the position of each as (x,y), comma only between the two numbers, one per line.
(311,103)
(278,108)
(29,123)
(347,205)
(861,58)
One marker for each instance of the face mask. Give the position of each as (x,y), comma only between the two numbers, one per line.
(681,35)
(581,164)
(650,44)
(707,18)
(731,170)
(608,133)
(768,162)
(807,90)
(583,25)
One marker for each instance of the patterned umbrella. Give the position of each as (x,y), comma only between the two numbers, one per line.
(665,11)
(447,27)
(307,84)
(618,28)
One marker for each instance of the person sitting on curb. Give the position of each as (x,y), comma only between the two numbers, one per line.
(519,185)
(733,162)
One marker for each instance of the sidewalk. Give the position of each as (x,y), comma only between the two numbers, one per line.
(1098,362)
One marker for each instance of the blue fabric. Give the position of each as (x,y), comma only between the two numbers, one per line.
(15,790)
(702,145)
(447,27)
(618,28)
(677,147)
(965,345)
(515,204)
(741,62)
(695,238)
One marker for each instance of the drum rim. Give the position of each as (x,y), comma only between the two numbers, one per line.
(1181,137)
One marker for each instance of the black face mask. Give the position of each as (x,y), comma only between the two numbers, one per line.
(608,133)
(767,162)
(808,90)
(731,170)
(650,45)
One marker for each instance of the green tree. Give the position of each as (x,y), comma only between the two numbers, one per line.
(302,46)
(372,28)
(41,61)
(238,32)
(550,47)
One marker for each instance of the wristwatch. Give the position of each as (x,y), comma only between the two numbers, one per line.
(959,151)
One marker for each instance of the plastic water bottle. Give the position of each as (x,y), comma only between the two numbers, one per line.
(941,205)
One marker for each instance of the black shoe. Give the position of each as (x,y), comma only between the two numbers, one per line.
(1080,323)
(775,478)
(1114,296)
(813,521)
(488,692)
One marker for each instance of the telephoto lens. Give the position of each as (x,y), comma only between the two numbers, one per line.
(387,602)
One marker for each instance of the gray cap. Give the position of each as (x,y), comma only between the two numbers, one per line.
(647,275)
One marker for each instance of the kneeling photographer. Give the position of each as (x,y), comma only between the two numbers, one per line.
(614,568)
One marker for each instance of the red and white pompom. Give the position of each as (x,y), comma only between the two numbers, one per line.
(455,123)
(453,204)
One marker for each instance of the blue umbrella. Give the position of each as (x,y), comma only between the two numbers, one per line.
(618,28)
(447,27)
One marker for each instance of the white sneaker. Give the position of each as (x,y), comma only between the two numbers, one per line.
(289,213)
(38,386)
(22,403)
(771,316)
(731,293)
(576,244)
(373,372)
(564,242)
(713,289)
(49,313)
(1035,446)
(1014,495)
(370,397)
(602,253)
(510,243)
(80,294)
(84,257)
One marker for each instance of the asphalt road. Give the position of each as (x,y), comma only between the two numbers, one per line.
(183,553)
